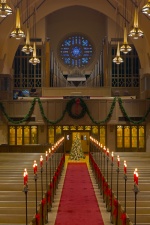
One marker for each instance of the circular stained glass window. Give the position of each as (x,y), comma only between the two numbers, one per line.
(76,50)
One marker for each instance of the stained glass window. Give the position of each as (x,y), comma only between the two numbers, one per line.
(76,51)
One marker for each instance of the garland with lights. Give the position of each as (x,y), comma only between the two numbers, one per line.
(77,102)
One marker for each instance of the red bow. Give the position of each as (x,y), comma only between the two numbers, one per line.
(123,218)
(49,195)
(43,201)
(37,217)
(116,207)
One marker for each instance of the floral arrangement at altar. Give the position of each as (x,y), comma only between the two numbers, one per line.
(76,149)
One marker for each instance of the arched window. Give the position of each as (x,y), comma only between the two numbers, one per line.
(76,51)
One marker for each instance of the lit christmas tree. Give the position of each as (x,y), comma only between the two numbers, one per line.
(76,149)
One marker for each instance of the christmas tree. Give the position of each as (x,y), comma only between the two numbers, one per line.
(76,149)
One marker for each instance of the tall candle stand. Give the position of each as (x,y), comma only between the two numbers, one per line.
(104,172)
(46,154)
(41,164)
(35,179)
(125,184)
(101,168)
(25,190)
(112,164)
(118,159)
(136,191)
(107,177)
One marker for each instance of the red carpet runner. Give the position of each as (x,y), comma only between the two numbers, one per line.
(78,204)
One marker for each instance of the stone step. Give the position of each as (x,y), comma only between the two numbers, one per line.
(17,210)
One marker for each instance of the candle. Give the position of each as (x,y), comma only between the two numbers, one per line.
(25,174)
(118,160)
(41,161)
(125,167)
(46,154)
(136,176)
(108,152)
(104,149)
(112,156)
(35,167)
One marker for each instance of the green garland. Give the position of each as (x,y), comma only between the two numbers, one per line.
(68,109)
(128,118)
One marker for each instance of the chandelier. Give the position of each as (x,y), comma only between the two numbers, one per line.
(17,32)
(27,48)
(136,32)
(118,58)
(125,48)
(146,8)
(34,60)
(5,10)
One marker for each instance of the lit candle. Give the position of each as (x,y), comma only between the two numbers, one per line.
(118,160)
(137,178)
(46,154)
(108,152)
(25,174)
(112,156)
(35,167)
(49,152)
(104,148)
(125,167)
(135,171)
(41,161)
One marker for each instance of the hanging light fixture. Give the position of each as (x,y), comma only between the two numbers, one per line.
(136,32)
(34,60)
(5,10)
(27,48)
(125,48)
(17,32)
(146,8)
(118,58)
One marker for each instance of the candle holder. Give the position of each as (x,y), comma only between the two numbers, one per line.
(46,195)
(111,214)
(125,188)
(42,192)
(136,191)
(36,210)
(104,176)
(101,183)
(117,193)
(25,190)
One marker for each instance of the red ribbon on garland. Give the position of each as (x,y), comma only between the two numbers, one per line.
(123,218)
(116,207)
(37,217)
(77,105)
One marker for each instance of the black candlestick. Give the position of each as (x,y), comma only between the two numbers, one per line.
(35,179)
(111,215)
(136,191)
(25,190)
(117,194)
(46,195)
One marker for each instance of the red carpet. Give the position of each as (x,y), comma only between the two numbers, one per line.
(78,204)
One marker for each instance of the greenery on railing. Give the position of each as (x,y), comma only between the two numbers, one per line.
(74,114)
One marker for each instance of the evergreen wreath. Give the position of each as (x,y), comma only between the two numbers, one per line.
(82,104)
